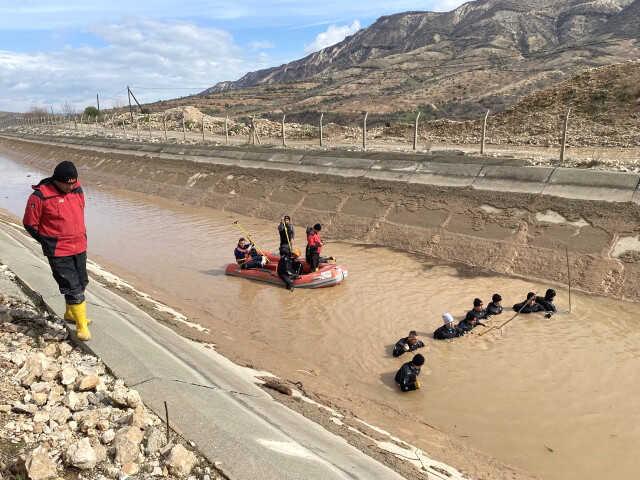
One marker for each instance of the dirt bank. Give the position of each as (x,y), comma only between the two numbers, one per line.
(511,233)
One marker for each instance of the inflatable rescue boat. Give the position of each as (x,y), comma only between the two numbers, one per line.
(327,275)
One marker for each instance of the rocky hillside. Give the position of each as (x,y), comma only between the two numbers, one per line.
(484,54)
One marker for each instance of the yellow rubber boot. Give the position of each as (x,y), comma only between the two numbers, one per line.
(68,315)
(79,312)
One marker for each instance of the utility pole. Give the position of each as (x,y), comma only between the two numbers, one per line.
(129,97)
(98,102)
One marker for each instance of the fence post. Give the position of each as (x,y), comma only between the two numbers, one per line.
(484,133)
(415,133)
(164,126)
(564,136)
(284,139)
(321,133)
(184,129)
(364,132)
(226,129)
(149,124)
(203,128)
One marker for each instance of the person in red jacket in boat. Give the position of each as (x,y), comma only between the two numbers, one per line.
(314,247)
(247,256)
(54,216)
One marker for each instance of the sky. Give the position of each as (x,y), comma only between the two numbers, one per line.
(62,52)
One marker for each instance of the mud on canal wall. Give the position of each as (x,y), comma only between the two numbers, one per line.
(504,218)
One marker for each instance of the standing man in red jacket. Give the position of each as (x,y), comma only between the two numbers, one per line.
(314,246)
(55,218)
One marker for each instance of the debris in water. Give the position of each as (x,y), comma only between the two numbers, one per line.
(549,449)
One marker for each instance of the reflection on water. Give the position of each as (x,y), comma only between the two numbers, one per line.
(556,397)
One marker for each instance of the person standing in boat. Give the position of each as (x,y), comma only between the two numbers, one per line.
(287,232)
(314,247)
(246,255)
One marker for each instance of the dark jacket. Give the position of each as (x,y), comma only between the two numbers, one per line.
(482,314)
(547,305)
(467,324)
(493,309)
(288,266)
(56,219)
(399,347)
(283,235)
(522,308)
(407,377)
(446,332)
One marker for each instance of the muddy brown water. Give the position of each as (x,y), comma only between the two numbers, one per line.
(558,398)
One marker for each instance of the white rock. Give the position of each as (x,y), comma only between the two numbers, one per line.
(68,375)
(180,461)
(108,436)
(88,382)
(33,368)
(127,444)
(133,398)
(81,455)
(76,401)
(60,414)
(39,465)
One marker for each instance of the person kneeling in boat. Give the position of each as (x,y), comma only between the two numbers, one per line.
(546,302)
(288,268)
(529,305)
(495,306)
(407,376)
(247,256)
(407,344)
(448,330)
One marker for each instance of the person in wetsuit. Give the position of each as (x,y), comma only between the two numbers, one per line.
(407,344)
(288,268)
(247,256)
(407,376)
(285,229)
(473,317)
(546,302)
(448,330)
(529,305)
(495,306)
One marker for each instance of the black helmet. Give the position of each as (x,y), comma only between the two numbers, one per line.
(418,360)
(550,294)
(496,298)
(317,227)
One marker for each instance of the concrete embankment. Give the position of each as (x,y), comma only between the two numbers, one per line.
(487,212)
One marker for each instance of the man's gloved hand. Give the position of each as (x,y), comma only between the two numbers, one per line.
(417,385)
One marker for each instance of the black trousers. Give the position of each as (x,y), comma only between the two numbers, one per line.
(70,273)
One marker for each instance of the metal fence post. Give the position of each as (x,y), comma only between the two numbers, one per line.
(284,138)
(564,136)
(364,132)
(415,133)
(321,117)
(484,133)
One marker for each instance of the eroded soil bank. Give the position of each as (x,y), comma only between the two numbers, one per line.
(556,398)
(504,232)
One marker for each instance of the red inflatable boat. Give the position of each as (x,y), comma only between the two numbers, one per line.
(328,275)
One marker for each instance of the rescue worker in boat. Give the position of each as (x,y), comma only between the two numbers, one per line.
(546,302)
(247,256)
(407,376)
(495,306)
(54,216)
(286,231)
(407,344)
(314,247)
(288,268)
(448,330)
(529,305)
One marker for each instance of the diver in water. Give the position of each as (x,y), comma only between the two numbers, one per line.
(448,330)
(529,305)
(495,306)
(546,302)
(407,344)
(407,376)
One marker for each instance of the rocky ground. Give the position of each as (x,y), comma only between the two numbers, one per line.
(62,415)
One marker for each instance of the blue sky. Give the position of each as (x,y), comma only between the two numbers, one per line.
(58,51)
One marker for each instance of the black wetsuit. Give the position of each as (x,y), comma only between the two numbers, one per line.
(468,324)
(283,235)
(523,308)
(546,304)
(493,309)
(399,347)
(407,377)
(288,270)
(479,315)
(445,332)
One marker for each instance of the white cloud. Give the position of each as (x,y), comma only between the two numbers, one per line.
(331,36)
(141,53)
(261,45)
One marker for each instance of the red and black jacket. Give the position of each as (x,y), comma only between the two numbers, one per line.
(56,219)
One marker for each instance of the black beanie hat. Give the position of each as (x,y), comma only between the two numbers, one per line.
(551,293)
(418,360)
(477,302)
(65,171)
(317,227)
(496,298)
